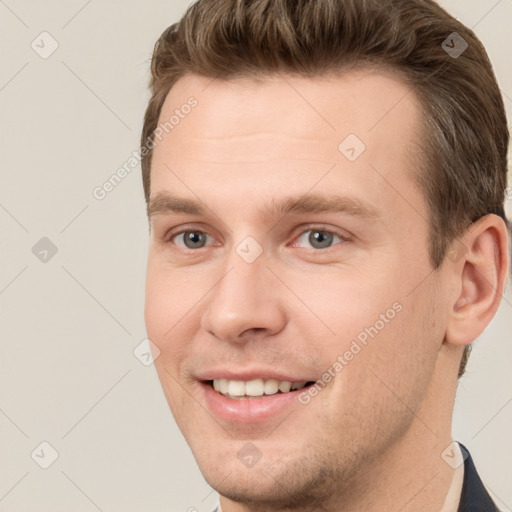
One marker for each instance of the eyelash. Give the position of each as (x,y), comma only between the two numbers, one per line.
(323,229)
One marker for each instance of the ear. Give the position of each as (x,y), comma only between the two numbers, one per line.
(479,263)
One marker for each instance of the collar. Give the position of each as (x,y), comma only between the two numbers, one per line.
(452,500)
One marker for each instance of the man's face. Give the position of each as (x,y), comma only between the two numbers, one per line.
(247,287)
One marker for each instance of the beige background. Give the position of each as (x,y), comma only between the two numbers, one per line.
(68,327)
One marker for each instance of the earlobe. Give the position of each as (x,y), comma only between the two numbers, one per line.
(480,276)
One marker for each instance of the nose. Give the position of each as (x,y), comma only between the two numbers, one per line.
(245,304)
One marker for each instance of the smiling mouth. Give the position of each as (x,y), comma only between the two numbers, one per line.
(256,388)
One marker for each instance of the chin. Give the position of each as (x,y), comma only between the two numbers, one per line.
(263,489)
(279,482)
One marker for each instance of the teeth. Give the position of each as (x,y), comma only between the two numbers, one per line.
(271,387)
(223,386)
(236,388)
(285,386)
(254,388)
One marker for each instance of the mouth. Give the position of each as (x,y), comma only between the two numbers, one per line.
(251,396)
(255,388)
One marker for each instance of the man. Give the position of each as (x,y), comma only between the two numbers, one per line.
(325,184)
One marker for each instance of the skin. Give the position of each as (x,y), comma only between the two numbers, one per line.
(372,439)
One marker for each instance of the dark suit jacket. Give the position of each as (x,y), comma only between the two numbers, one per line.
(474,497)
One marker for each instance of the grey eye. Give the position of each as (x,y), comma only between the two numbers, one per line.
(318,239)
(193,239)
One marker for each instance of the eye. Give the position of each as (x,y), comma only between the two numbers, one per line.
(190,239)
(318,239)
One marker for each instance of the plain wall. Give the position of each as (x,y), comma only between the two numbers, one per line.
(69,326)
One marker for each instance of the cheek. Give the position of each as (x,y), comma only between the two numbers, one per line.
(169,301)
(380,389)
(154,303)
(383,335)
(347,304)
(399,362)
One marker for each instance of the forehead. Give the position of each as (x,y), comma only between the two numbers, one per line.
(364,101)
(262,133)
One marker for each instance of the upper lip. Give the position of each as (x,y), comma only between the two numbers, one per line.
(247,375)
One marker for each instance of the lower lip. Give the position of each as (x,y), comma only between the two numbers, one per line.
(250,410)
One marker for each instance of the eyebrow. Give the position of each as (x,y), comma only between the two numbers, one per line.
(164,203)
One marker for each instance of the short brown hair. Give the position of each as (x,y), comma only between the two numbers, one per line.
(463,153)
